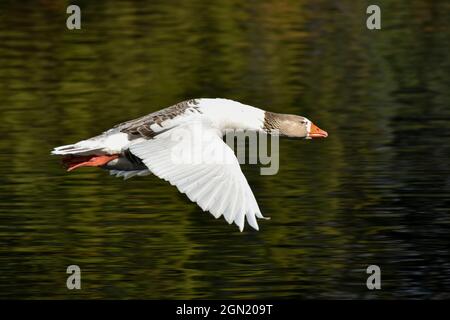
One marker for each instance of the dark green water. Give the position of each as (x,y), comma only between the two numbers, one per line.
(377,191)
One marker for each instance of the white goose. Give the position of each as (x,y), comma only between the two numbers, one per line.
(146,145)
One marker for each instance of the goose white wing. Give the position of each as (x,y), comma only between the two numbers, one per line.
(196,160)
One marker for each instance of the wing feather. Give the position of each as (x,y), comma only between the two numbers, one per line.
(214,181)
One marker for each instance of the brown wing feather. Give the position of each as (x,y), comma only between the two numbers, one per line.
(141,126)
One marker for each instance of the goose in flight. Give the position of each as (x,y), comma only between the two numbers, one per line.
(183,145)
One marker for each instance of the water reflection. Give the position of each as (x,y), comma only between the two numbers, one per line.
(375,192)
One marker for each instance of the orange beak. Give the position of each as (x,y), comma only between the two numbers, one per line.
(316,132)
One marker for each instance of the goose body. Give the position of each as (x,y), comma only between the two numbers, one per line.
(183,145)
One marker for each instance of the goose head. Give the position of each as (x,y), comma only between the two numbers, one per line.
(292,126)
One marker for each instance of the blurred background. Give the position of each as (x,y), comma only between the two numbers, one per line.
(376,191)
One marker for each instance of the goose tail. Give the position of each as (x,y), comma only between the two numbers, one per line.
(82,148)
